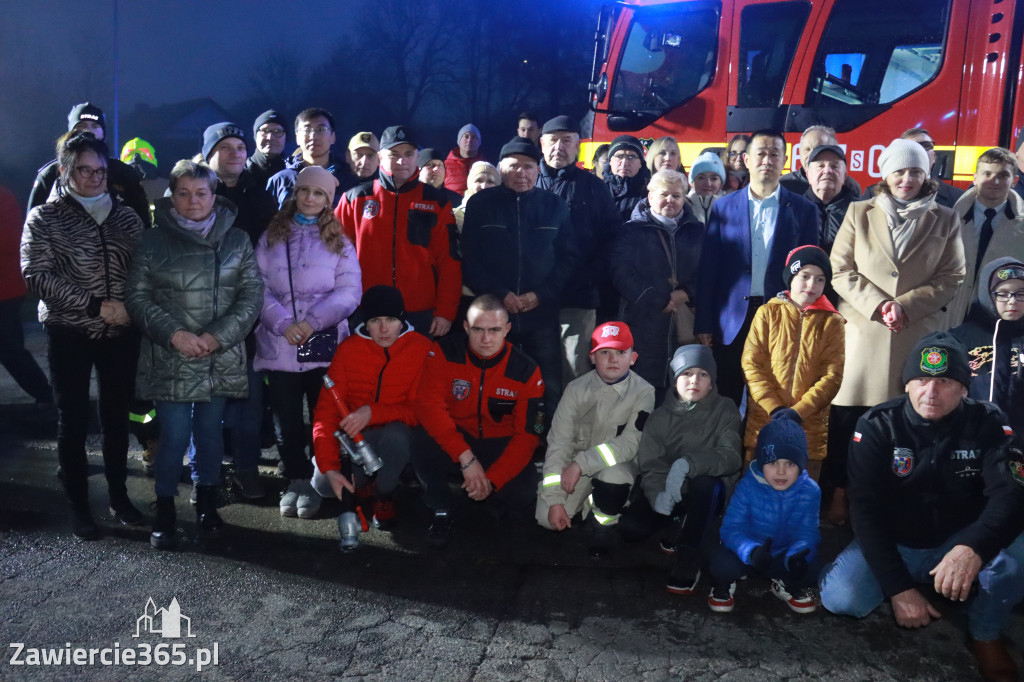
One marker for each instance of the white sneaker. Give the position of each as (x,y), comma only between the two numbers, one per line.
(308,502)
(290,499)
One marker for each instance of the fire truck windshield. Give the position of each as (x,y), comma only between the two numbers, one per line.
(668,58)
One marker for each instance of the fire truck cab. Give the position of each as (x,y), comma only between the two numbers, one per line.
(704,70)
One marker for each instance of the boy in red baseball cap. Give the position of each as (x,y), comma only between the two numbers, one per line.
(590,463)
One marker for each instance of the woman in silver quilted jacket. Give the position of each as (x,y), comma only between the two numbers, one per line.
(195,291)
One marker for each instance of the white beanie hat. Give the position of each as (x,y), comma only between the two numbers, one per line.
(707,163)
(902,154)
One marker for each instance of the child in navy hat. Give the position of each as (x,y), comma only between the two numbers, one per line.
(771,525)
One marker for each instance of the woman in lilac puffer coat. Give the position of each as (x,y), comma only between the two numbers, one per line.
(312,284)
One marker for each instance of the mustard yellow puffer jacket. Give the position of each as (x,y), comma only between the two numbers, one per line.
(793,358)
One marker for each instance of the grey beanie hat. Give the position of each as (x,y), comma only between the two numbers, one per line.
(902,154)
(694,355)
(469,128)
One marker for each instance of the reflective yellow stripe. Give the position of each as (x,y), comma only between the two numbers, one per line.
(142,418)
(602,519)
(965,160)
(553,479)
(607,454)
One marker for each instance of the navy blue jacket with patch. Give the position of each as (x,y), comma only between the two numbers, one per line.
(918,483)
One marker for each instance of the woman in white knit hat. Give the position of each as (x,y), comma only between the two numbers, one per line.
(897,261)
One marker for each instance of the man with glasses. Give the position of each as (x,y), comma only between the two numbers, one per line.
(122,179)
(947,195)
(749,236)
(991,224)
(271,137)
(627,175)
(404,233)
(314,133)
(481,401)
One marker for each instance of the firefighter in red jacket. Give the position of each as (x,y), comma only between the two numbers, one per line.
(482,402)
(404,232)
(376,372)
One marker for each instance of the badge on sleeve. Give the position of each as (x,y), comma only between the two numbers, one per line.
(1016,462)
(460,389)
(902,461)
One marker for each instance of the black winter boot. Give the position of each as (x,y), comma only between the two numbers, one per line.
(164,531)
(82,524)
(206,509)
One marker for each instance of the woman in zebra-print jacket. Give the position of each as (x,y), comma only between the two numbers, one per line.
(75,253)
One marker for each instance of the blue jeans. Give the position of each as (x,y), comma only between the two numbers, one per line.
(243,421)
(203,423)
(848,587)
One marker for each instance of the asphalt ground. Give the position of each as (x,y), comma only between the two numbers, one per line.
(276,599)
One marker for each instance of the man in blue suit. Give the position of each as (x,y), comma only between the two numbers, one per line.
(750,234)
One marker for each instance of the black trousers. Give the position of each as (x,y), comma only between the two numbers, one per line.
(287,390)
(15,358)
(731,380)
(702,501)
(726,567)
(434,468)
(842,422)
(72,357)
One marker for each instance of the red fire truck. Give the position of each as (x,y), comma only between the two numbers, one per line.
(704,70)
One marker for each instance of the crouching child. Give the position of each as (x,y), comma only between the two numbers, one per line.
(771,524)
(590,463)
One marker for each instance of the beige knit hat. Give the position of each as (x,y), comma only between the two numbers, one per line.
(902,154)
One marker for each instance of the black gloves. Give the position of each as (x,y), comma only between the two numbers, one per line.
(786,413)
(761,557)
(797,563)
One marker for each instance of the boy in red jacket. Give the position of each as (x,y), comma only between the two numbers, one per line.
(375,372)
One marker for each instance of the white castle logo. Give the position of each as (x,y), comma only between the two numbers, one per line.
(163,622)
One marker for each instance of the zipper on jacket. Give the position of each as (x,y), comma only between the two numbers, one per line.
(106,267)
(394,242)
(796,353)
(480,407)
(519,250)
(380,377)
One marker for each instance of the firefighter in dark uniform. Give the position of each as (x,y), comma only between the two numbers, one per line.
(936,497)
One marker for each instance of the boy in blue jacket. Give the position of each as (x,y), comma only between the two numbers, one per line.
(771,525)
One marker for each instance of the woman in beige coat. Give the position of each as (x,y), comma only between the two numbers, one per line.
(897,262)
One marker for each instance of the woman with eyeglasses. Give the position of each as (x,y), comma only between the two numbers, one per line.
(736,175)
(897,262)
(75,254)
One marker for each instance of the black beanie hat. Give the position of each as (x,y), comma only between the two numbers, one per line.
(939,354)
(268,116)
(806,255)
(383,301)
(782,439)
(216,133)
(523,146)
(86,111)
(427,155)
(626,142)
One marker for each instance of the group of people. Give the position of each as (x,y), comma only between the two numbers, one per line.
(646,331)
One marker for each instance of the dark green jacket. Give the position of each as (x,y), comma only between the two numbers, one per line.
(181,280)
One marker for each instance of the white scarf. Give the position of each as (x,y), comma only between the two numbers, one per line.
(99,207)
(902,217)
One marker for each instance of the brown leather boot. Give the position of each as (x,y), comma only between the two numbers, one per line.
(994,662)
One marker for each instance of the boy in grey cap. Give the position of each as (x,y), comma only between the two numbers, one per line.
(689,460)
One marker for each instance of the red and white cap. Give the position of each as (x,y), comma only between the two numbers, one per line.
(611,335)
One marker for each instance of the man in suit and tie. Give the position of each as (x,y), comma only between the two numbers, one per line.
(750,233)
(992,224)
